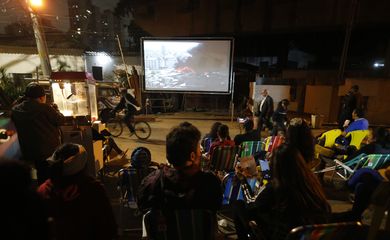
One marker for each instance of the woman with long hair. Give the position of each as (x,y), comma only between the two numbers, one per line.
(210,137)
(293,197)
(299,135)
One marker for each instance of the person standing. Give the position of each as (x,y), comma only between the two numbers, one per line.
(37,125)
(279,117)
(131,106)
(351,101)
(265,110)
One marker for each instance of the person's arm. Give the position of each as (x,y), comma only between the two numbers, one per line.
(132,100)
(54,116)
(120,105)
(145,194)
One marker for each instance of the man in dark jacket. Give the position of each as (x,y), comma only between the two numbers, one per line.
(183,186)
(37,125)
(131,106)
(264,110)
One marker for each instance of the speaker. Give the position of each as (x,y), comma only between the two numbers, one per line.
(97,72)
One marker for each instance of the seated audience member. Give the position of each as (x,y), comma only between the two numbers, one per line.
(249,135)
(210,137)
(106,136)
(363,183)
(279,117)
(378,144)
(77,203)
(292,198)
(23,213)
(183,186)
(359,122)
(299,135)
(223,139)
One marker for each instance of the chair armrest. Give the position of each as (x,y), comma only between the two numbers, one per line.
(341,164)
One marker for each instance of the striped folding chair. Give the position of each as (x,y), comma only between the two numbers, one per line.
(233,190)
(331,231)
(377,161)
(272,142)
(250,148)
(223,158)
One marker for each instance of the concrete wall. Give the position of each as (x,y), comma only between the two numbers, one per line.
(378,93)
(317,100)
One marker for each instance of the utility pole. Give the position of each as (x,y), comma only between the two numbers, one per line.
(39,37)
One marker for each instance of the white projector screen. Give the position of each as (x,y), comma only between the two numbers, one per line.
(187,65)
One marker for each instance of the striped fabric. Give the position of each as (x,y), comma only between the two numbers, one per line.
(223,158)
(377,161)
(272,142)
(249,148)
(234,191)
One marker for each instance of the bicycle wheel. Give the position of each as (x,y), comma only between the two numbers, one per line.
(142,130)
(115,127)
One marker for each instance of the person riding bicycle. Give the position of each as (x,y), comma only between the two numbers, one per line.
(131,106)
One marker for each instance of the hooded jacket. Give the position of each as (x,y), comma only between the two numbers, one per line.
(37,125)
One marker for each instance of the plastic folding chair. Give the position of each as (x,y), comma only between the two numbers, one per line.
(330,137)
(223,158)
(332,231)
(250,148)
(272,142)
(357,137)
(129,180)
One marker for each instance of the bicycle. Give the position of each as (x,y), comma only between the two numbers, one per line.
(115,127)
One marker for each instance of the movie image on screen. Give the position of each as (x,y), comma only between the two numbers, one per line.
(187,65)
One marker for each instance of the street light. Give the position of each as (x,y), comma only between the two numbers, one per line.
(36,3)
(40,39)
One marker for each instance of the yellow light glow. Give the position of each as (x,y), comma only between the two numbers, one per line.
(36,3)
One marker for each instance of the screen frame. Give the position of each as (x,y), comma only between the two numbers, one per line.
(230,83)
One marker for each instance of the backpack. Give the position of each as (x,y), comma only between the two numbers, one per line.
(140,157)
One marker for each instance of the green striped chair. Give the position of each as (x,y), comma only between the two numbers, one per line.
(249,148)
(223,158)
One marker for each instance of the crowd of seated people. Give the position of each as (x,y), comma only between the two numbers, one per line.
(79,208)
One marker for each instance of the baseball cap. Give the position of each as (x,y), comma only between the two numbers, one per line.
(34,90)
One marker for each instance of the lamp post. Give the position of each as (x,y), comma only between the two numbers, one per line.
(39,37)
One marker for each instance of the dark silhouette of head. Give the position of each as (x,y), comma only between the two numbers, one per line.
(213,134)
(382,137)
(359,112)
(299,135)
(181,141)
(223,132)
(248,125)
(23,214)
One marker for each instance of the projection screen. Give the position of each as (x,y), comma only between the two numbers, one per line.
(200,65)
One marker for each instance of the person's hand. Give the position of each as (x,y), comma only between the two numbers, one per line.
(55,106)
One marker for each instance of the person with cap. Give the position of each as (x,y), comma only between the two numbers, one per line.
(78,203)
(37,124)
(131,106)
(183,186)
(249,135)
